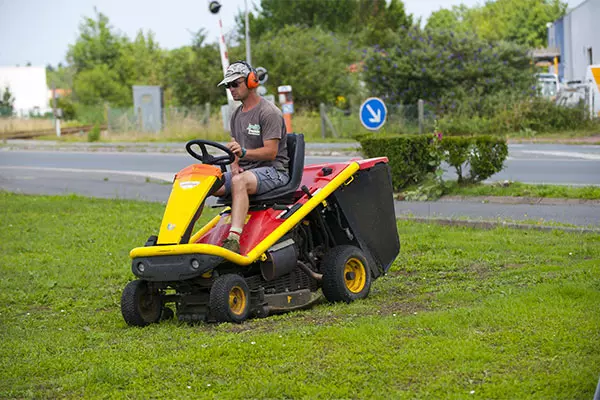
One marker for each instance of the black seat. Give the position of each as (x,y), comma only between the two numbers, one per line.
(282,194)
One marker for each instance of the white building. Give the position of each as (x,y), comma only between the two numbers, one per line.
(28,87)
(577,37)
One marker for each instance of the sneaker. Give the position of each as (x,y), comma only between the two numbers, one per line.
(231,245)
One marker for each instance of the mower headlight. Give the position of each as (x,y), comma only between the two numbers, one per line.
(141,267)
(195,263)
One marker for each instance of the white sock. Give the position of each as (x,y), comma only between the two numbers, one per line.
(235,233)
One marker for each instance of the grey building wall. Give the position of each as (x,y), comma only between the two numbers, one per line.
(581,35)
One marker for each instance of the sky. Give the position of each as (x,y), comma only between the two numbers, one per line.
(40,32)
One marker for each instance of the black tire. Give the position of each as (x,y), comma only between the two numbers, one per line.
(230,299)
(346,275)
(139,306)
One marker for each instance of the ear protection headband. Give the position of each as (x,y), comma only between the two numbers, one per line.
(252,78)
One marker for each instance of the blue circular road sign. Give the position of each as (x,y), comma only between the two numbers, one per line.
(373,113)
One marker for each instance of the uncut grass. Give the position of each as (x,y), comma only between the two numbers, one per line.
(501,313)
(518,189)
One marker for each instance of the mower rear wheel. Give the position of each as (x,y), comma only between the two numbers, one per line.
(346,276)
(140,305)
(230,299)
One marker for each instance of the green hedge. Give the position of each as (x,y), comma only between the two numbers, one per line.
(413,157)
(536,115)
(483,155)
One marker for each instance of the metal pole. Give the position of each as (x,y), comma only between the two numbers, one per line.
(224,59)
(54,104)
(248,55)
(322,114)
(421,115)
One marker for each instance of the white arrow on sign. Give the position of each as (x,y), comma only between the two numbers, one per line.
(375,117)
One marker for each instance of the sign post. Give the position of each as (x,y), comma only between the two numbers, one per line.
(373,113)
(287,105)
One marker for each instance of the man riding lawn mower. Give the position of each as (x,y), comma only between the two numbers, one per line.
(277,241)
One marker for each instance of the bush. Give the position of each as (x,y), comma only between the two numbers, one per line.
(415,159)
(486,157)
(411,157)
(94,134)
(541,115)
(514,115)
(483,155)
(456,152)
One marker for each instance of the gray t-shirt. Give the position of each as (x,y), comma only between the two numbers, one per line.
(251,128)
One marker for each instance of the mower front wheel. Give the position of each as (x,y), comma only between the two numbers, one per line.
(346,276)
(140,305)
(230,299)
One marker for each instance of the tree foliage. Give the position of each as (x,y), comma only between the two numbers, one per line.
(518,21)
(7,102)
(314,62)
(461,62)
(193,72)
(371,20)
(445,69)
(61,76)
(106,63)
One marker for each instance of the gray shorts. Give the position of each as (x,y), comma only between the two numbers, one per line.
(268,179)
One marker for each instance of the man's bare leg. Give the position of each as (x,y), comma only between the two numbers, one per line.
(242,185)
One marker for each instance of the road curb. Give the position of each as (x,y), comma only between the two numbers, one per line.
(493,225)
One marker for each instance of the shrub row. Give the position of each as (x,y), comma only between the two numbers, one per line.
(535,115)
(413,157)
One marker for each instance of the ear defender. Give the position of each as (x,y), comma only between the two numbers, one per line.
(252,78)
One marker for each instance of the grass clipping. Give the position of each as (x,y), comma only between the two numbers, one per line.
(463,313)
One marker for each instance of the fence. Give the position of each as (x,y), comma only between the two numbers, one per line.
(177,123)
(401,118)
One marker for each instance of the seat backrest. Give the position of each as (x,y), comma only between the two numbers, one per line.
(295,148)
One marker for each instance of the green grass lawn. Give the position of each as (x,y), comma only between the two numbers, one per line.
(518,189)
(463,313)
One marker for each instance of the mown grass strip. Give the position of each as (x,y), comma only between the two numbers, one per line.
(518,189)
(463,313)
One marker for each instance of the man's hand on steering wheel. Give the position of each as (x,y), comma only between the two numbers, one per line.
(235,147)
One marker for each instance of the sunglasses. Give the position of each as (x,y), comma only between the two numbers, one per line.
(233,84)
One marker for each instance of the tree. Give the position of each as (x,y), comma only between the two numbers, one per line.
(105,64)
(447,69)
(519,21)
(314,62)
(273,15)
(375,17)
(378,21)
(449,19)
(141,61)
(97,44)
(7,102)
(193,72)
(99,84)
(61,77)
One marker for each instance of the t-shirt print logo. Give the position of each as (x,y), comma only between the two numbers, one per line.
(253,129)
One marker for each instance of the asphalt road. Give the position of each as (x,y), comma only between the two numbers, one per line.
(146,176)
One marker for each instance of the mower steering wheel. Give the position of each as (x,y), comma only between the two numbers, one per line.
(205,157)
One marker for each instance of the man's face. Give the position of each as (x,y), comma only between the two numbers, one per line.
(238,89)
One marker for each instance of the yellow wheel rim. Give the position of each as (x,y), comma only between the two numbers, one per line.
(237,300)
(355,275)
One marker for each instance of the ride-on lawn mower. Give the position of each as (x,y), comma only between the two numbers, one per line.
(332,227)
